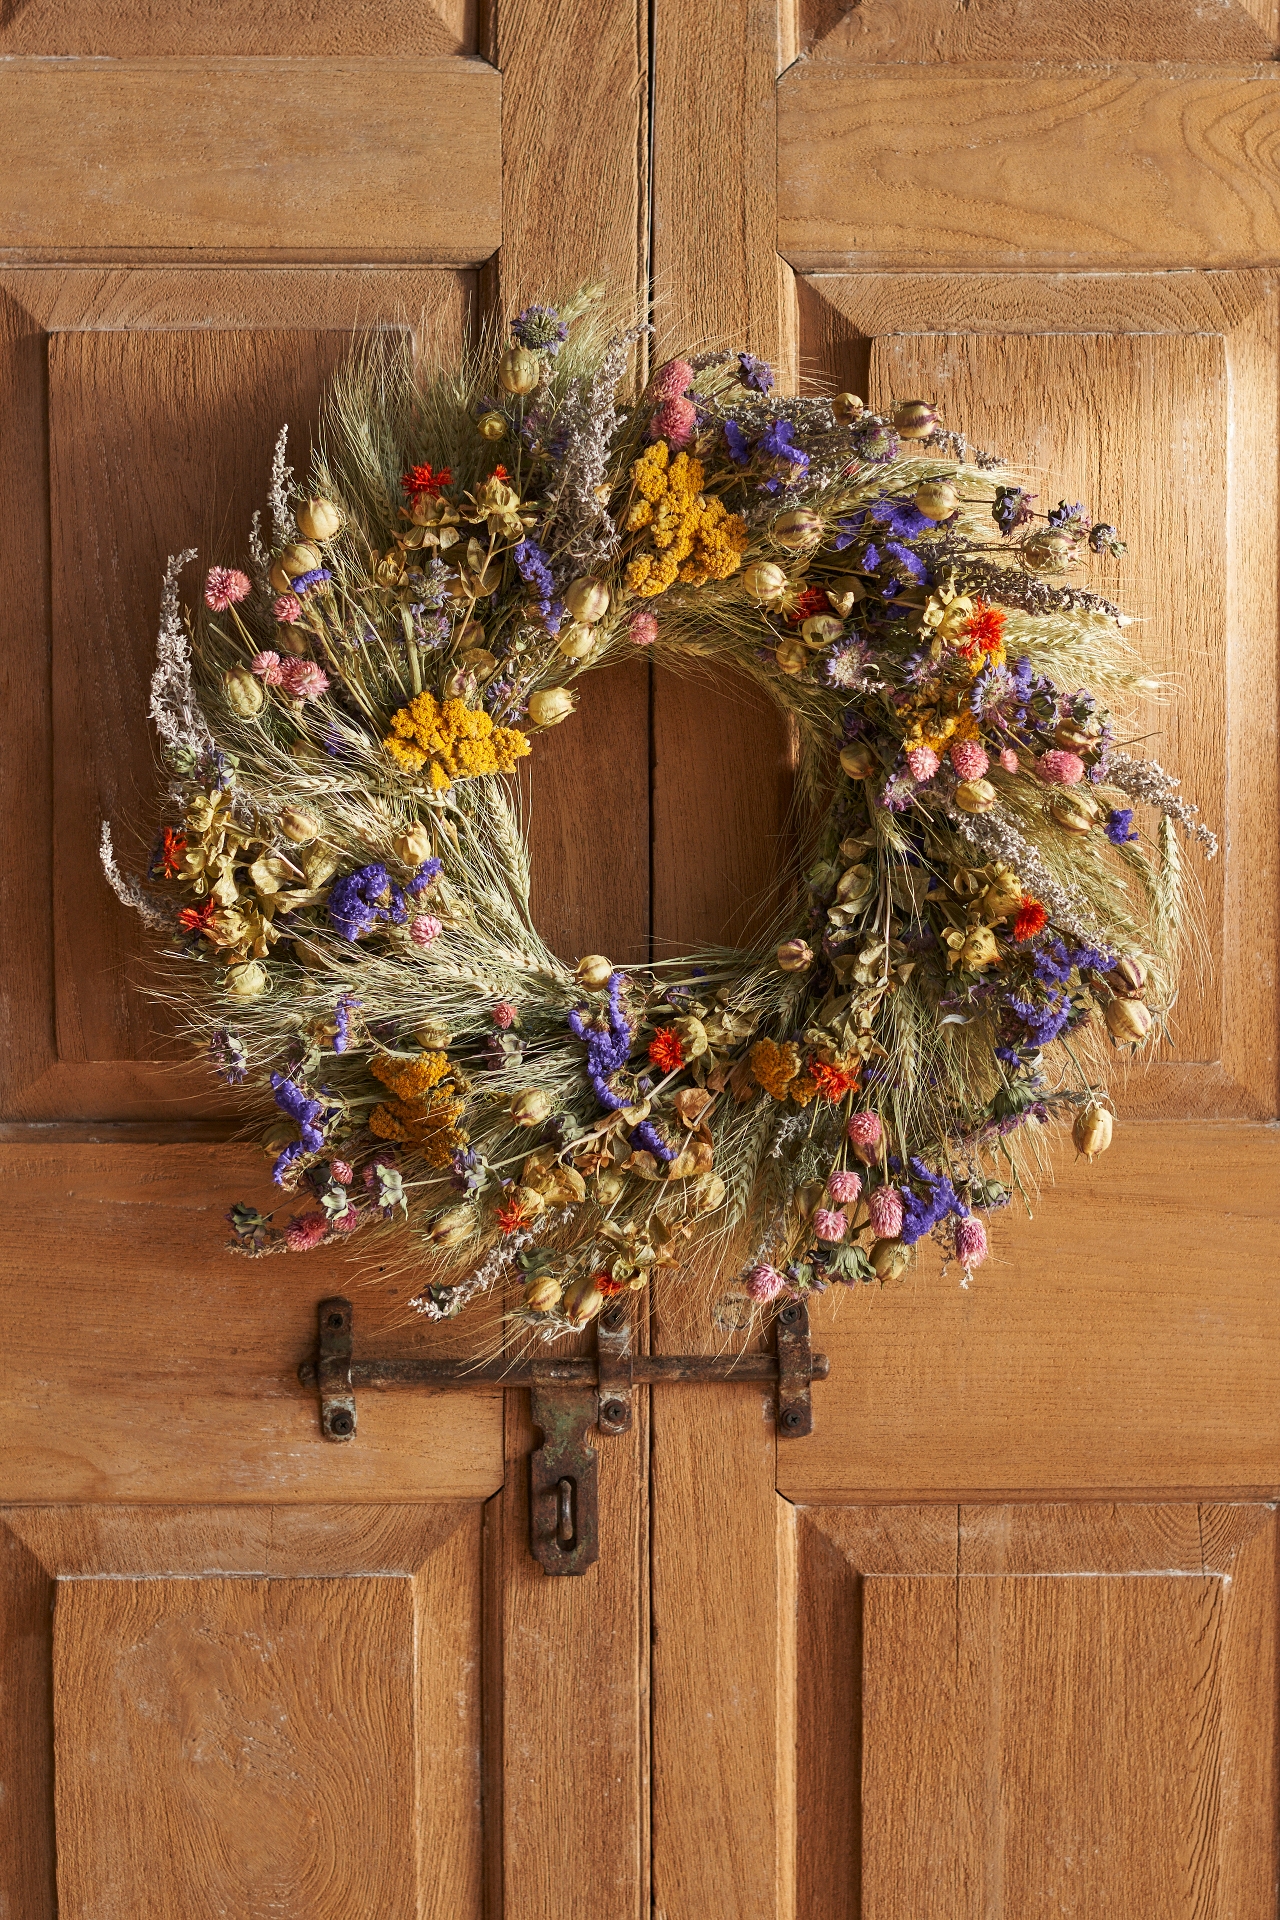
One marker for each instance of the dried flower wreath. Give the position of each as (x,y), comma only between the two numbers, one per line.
(341,883)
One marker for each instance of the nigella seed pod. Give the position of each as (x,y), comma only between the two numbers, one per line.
(847,407)
(936,499)
(244,691)
(576,642)
(587,600)
(1070,734)
(821,629)
(247,980)
(889,1258)
(594,972)
(1049,551)
(414,845)
(795,956)
(799,527)
(454,1225)
(300,558)
(519,370)
(542,1293)
(552,705)
(1091,1133)
(582,1300)
(298,827)
(975,796)
(858,760)
(1073,812)
(492,426)
(320,520)
(915,420)
(791,655)
(530,1107)
(1128,1021)
(765,583)
(1128,978)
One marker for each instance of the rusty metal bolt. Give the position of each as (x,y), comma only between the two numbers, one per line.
(613,1413)
(792,1419)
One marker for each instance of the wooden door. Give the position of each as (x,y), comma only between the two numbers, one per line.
(1001,1638)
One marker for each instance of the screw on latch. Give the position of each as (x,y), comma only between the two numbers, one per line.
(789,1316)
(334,1320)
(341,1421)
(612,1413)
(792,1418)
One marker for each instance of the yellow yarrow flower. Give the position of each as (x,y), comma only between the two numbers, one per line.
(423,1113)
(453,741)
(694,539)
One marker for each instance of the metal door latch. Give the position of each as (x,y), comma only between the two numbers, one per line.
(569,1399)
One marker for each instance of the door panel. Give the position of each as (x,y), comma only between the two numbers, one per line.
(1004,1709)
(293,1697)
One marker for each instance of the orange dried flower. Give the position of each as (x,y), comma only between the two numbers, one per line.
(832,1082)
(983,631)
(665,1050)
(774,1067)
(1031,919)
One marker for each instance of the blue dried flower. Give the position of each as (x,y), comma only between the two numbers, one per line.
(1012,508)
(361,899)
(755,374)
(304,582)
(541,330)
(309,1115)
(1120,826)
(738,443)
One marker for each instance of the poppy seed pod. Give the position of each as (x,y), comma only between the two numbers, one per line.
(1091,1132)
(848,407)
(587,600)
(298,827)
(452,1226)
(1128,978)
(594,972)
(519,370)
(795,956)
(975,796)
(582,1301)
(245,694)
(542,1293)
(915,420)
(798,528)
(765,582)
(889,1258)
(552,705)
(1128,1021)
(858,760)
(936,499)
(320,520)
(414,845)
(530,1107)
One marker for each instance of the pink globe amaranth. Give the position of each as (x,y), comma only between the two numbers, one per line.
(829,1225)
(304,679)
(347,1222)
(287,609)
(844,1186)
(674,422)
(504,1014)
(971,1242)
(1058,768)
(969,760)
(224,587)
(864,1129)
(342,1172)
(643,629)
(764,1283)
(305,1230)
(885,1208)
(1008,760)
(672,381)
(424,928)
(923,762)
(268,669)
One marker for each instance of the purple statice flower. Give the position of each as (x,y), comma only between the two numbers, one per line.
(757,375)
(346,1006)
(1072,519)
(848,529)
(1012,508)
(534,568)
(911,563)
(427,873)
(738,443)
(898,793)
(1041,1024)
(607,1053)
(305,582)
(1052,964)
(901,517)
(361,899)
(309,1115)
(777,444)
(541,330)
(845,667)
(922,1215)
(1120,826)
(228,1056)
(646,1135)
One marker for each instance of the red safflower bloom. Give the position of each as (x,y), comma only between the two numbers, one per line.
(196,919)
(500,472)
(1032,919)
(665,1050)
(172,847)
(607,1284)
(421,480)
(512,1217)
(983,630)
(812,600)
(833,1082)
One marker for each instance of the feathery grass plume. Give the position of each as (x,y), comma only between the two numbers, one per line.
(341,880)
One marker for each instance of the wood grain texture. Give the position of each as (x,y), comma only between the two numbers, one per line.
(964,166)
(1204,486)
(291,28)
(110,536)
(364,159)
(1123,1339)
(914,31)
(155,1367)
(999,1703)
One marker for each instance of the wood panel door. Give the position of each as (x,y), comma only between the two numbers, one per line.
(1001,1637)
